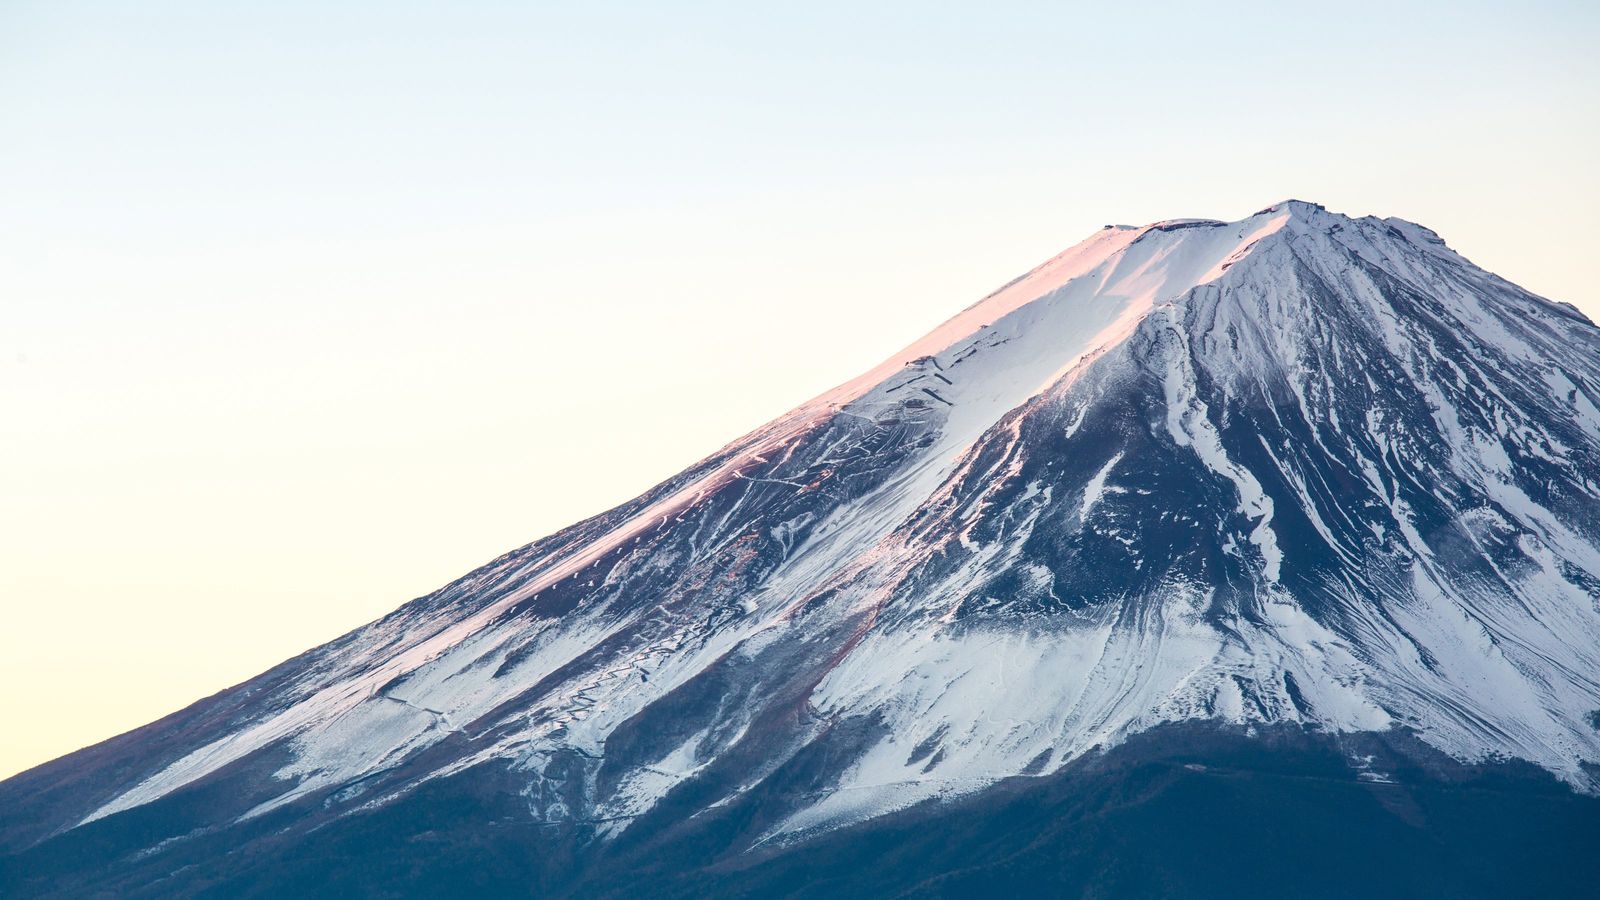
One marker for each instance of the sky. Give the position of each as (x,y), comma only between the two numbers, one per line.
(307,309)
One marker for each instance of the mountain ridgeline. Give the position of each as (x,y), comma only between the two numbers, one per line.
(1207,558)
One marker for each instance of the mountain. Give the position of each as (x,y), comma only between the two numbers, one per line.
(1207,558)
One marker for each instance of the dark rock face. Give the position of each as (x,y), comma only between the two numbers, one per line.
(1202,560)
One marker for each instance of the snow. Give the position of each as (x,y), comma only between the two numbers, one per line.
(1096,487)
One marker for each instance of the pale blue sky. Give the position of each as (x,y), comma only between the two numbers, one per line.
(307,308)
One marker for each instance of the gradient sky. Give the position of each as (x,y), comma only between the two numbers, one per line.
(307,308)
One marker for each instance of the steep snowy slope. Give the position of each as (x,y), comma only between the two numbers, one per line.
(1299,470)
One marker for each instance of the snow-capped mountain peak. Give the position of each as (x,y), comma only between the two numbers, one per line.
(1298,469)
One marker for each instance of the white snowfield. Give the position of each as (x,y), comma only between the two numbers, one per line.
(1502,661)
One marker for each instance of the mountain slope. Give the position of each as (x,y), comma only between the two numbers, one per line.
(1299,471)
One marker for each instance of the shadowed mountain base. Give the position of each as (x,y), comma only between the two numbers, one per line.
(1181,811)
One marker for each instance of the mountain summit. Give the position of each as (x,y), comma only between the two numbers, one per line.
(1294,519)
